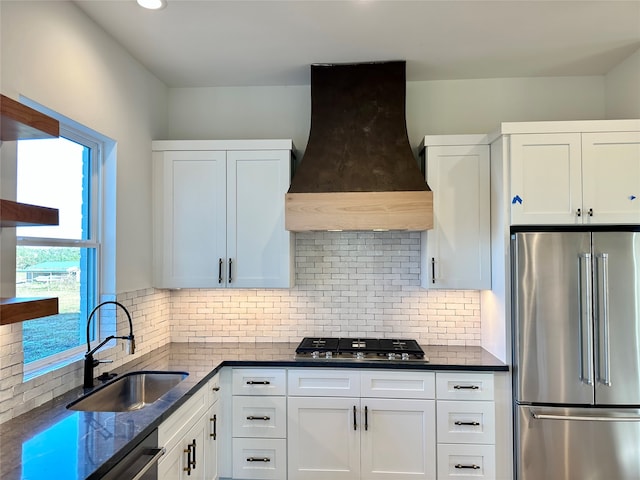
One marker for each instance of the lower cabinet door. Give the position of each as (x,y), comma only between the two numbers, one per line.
(324,438)
(259,458)
(398,439)
(466,462)
(210,450)
(187,460)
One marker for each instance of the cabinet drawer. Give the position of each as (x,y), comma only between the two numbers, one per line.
(258,381)
(464,386)
(262,459)
(466,462)
(324,383)
(465,422)
(397,384)
(264,417)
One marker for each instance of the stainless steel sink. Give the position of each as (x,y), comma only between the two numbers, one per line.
(131,391)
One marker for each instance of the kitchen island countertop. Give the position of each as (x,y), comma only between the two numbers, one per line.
(54,442)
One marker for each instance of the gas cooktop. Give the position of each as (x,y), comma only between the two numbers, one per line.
(360,349)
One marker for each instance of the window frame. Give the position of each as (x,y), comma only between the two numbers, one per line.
(84,136)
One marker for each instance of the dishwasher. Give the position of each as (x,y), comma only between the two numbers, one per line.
(139,464)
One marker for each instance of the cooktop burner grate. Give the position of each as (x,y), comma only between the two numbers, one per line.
(370,348)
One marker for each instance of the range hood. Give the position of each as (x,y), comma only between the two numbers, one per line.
(358,171)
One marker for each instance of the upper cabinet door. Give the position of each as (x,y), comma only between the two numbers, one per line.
(258,245)
(611,177)
(546,184)
(457,251)
(219,217)
(190,219)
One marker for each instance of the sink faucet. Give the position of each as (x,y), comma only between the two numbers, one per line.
(89,362)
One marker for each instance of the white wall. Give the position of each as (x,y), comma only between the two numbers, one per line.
(240,112)
(622,89)
(55,55)
(433,107)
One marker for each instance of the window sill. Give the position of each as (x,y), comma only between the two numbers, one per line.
(41,367)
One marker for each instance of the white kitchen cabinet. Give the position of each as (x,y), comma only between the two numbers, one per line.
(466,428)
(611,177)
(259,423)
(360,437)
(575,178)
(185,459)
(219,214)
(212,421)
(324,439)
(190,437)
(183,435)
(456,253)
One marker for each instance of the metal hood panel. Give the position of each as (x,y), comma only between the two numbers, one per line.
(358,171)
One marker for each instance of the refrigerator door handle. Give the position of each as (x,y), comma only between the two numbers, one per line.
(584,418)
(586,314)
(604,367)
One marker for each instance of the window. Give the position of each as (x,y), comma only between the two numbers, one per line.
(59,261)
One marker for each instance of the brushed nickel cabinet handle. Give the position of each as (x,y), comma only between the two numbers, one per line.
(466,387)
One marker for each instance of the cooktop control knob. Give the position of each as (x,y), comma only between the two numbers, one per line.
(315,354)
(328,355)
(360,355)
(405,356)
(391,356)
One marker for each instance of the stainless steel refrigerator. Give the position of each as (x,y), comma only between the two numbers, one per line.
(576,318)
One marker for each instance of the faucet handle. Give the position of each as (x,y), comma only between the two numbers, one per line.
(103,361)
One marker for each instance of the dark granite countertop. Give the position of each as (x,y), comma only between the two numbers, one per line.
(54,442)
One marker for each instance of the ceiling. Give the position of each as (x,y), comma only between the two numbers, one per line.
(239,43)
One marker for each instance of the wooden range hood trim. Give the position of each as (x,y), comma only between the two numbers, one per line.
(359,211)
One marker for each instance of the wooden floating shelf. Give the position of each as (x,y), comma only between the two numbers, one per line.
(14,310)
(20,122)
(14,214)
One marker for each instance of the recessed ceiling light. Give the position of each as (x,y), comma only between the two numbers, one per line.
(152,4)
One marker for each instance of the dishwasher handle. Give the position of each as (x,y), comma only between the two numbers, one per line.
(156,454)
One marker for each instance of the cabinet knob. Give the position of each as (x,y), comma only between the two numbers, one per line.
(579,212)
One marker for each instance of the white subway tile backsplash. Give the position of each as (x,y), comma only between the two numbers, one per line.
(347,284)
